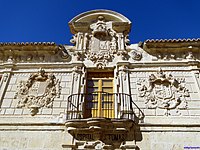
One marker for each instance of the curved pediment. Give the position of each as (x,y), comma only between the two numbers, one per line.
(82,21)
(90,16)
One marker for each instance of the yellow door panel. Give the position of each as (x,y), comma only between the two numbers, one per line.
(100,98)
(107,83)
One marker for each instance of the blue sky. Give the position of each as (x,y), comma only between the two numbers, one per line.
(47,20)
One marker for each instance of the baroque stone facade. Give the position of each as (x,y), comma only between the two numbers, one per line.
(101,92)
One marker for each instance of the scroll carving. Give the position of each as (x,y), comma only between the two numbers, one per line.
(101,43)
(163,91)
(38,91)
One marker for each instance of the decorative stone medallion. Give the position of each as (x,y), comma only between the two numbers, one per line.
(163,91)
(38,91)
(136,55)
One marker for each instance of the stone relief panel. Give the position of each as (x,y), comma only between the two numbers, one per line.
(101,43)
(38,91)
(163,91)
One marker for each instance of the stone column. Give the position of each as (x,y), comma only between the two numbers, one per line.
(79,42)
(124,88)
(120,41)
(77,98)
(4,83)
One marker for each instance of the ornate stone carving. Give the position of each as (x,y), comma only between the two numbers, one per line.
(123,54)
(100,58)
(190,56)
(100,42)
(100,133)
(30,52)
(163,91)
(177,56)
(94,145)
(126,40)
(38,91)
(136,55)
(63,53)
(79,55)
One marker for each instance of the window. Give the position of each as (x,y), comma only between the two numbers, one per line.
(99,96)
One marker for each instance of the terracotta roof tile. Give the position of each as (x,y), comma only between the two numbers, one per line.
(27,43)
(171,40)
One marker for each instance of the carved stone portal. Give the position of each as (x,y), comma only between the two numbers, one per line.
(162,91)
(38,91)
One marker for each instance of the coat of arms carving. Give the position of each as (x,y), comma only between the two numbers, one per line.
(38,91)
(163,91)
(101,43)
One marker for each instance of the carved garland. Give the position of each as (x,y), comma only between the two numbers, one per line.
(38,91)
(164,92)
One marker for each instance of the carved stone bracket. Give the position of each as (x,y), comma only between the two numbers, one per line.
(63,53)
(163,91)
(100,133)
(38,91)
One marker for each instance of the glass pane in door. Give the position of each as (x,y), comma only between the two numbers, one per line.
(99,97)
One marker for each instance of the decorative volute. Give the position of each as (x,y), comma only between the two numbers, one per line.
(100,35)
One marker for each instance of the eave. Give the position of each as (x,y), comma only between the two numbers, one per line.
(172,46)
(16,50)
(32,46)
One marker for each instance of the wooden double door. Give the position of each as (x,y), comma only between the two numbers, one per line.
(99,96)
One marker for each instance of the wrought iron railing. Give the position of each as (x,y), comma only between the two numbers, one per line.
(102,104)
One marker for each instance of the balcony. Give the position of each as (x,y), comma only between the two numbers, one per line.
(103,105)
(108,118)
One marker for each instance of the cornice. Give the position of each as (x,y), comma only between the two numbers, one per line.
(172,45)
